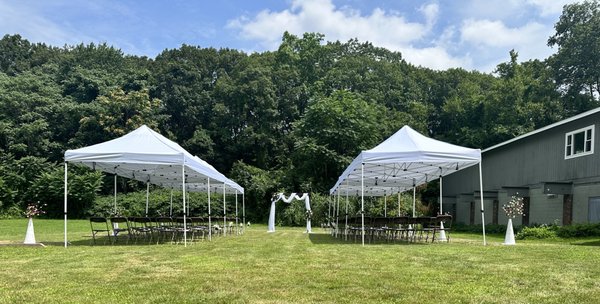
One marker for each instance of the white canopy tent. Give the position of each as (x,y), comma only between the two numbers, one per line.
(147,156)
(401,162)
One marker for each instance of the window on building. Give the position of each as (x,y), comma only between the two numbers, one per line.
(579,142)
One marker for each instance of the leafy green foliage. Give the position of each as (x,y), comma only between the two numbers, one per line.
(260,187)
(578,230)
(489,229)
(324,149)
(289,120)
(575,65)
(159,204)
(537,233)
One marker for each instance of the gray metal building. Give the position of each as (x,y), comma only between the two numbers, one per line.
(556,169)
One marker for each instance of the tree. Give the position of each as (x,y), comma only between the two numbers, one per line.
(333,131)
(26,100)
(577,62)
(184,79)
(121,113)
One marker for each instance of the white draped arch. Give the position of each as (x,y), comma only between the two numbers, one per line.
(281,197)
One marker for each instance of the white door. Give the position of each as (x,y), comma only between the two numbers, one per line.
(594,210)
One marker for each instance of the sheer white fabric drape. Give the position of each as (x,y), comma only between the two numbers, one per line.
(281,197)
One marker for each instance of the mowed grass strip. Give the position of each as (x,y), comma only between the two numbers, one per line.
(289,266)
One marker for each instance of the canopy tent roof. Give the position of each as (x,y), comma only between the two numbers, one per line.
(147,156)
(402,161)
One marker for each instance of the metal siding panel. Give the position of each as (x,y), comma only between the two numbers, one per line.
(535,159)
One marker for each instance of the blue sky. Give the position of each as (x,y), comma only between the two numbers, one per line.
(472,34)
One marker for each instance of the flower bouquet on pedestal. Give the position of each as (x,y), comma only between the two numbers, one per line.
(513,208)
(31,211)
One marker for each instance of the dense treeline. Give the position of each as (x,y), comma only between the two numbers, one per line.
(290,119)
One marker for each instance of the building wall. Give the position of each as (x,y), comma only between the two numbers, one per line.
(544,209)
(581,196)
(530,162)
(487,206)
(463,207)
(449,206)
(463,210)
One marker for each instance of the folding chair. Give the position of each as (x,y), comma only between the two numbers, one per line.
(164,227)
(379,227)
(141,228)
(180,228)
(368,227)
(121,228)
(198,226)
(356,225)
(399,227)
(425,225)
(98,225)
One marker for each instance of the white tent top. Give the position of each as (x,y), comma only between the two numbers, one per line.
(147,156)
(402,161)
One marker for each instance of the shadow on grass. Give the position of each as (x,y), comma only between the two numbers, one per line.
(104,241)
(326,238)
(589,243)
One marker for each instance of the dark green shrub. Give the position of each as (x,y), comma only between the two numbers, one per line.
(578,230)
(490,228)
(294,213)
(259,186)
(159,204)
(536,233)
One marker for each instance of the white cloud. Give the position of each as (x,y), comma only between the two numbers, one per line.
(495,37)
(431,12)
(386,29)
(496,34)
(436,58)
(493,9)
(550,7)
(19,19)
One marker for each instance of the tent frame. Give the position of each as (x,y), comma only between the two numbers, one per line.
(414,159)
(142,154)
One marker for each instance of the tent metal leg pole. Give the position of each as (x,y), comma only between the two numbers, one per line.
(171,205)
(115,192)
(184,210)
(399,207)
(65,206)
(442,236)
(481,199)
(224,213)
(414,200)
(115,225)
(329,212)
(147,196)
(346,227)
(362,201)
(384,205)
(244,211)
(337,215)
(441,212)
(209,219)
(237,225)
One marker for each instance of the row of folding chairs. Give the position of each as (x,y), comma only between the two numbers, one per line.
(157,230)
(405,228)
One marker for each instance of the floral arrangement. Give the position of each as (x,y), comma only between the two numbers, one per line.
(34,209)
(514,207)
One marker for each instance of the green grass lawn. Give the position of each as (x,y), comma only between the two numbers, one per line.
(289,266)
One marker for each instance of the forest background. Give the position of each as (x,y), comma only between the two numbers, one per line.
(287,120)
